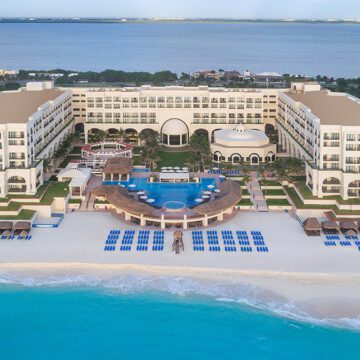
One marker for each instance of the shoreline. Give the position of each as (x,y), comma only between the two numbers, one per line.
(299,278)
(320,297)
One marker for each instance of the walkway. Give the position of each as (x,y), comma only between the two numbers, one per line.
(256,194)
(88,203)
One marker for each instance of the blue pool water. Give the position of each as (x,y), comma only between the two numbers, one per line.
(137,170)
(96,322)
(182,193)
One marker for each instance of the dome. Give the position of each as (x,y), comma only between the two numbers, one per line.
(174,127)
(241,137)
(240,129)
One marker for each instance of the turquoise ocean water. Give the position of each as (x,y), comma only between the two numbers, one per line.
(89,320)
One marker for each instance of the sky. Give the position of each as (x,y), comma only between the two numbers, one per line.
(299,9)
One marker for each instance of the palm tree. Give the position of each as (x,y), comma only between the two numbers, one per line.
(46,164)
(192,161)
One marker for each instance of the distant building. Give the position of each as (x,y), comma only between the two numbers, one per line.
(272,79)
(12,73)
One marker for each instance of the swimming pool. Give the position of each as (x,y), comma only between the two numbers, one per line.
(177,195)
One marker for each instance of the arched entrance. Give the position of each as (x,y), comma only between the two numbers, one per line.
(213,136)
(174,132)
(202,132)
(16,184)
(79,128)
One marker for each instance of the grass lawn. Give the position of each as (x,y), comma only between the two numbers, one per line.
(13,206)
(265,182)
(277,202)
(300,205)
(56,189)
(74,201)
(241,182)
(172,158)
(137,150)
(76,150)
(245,202)
(245,192)
(345,212)
(307,194)
(275,192)
(137,160)
(23,215)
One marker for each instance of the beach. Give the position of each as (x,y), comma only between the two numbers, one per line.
(298,277)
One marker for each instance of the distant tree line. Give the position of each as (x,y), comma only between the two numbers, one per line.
(350,85)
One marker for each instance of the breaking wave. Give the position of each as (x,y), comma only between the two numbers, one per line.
(223,292)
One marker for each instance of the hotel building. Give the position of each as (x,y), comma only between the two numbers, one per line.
(175,112)
(33,122)
(315,125)
(323,128)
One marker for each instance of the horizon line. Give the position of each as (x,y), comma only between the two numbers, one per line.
(174,18)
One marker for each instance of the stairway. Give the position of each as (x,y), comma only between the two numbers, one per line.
(256,194)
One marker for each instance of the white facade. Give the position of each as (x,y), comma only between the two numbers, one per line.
(328,139)
(243,145)
(166,109)
(25,141)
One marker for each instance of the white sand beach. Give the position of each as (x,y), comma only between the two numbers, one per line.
(325,281)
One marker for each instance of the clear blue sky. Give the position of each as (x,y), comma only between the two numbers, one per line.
(183,8)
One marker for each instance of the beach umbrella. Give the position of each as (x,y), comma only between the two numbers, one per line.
(215,168)
(199,200)
(163,168)
(178,171)
(132,186)
(144,197)
(140,193)
(150,201)
(210,186)
(207,192)
(176,168)
(205,196)
(122,185)
(171,171)
(217,190)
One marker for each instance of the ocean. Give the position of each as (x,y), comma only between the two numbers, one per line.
(296,48)
(137,318)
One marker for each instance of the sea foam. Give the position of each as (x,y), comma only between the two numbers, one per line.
(238,293)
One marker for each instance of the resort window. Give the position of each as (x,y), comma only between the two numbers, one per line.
(331,136)
(351,137)
(175,139)
(108,99)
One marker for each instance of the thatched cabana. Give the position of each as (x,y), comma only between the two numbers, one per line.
(229,196)
(5,226)
(22,227)
(312,227)
(118,168)
(120,198)
(330,227)
(348,227)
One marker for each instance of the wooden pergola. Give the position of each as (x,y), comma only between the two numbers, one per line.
(312,227)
